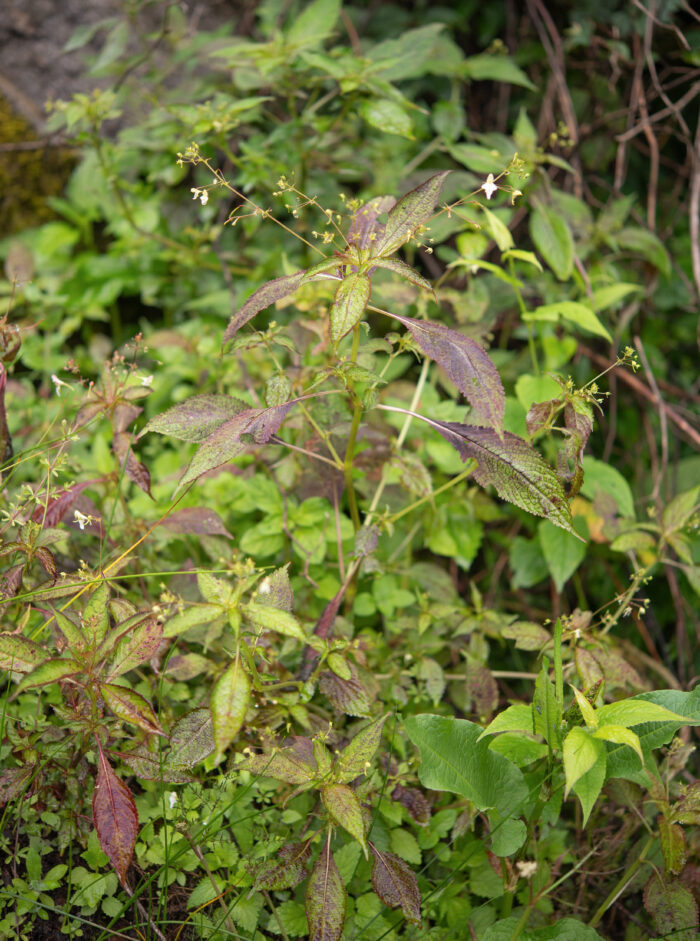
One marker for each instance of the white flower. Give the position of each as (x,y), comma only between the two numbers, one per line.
(81,519)
(58,383)
(146,381)
(195,192)
(204,197)
(172,800)
(488,186)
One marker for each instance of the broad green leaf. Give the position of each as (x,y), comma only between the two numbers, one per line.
(350,304)
(191,738)
(621,736)
(498,230)
(645,243)
(527,635)
(681,509)
(528,257)
(507,834)
(314,23)
(575,313)
(477,158)
(48,672)
(345,811)
(568,929)
(264,296)
(19,653)
(71,631)
(515,718)
(406,56)
(519,748)
(581,751)
(588,787)
(563,553)
(553,240)
(412,210)
(590,716)
(395,884)
(326,900)
(196,418)
(531,389)
(610,294)
(387,116)
(405,271)
(13,782)
(130,707)
(467,365)
(264,617)
(485,67)
(191,617)
(115,816)
(599,477)
(453,759)
(294,765)
(359,752)
(629,712)
(230,697)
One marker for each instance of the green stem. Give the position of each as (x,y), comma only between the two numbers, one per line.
(620,885)
(558,670)
(348,466)
(450,483)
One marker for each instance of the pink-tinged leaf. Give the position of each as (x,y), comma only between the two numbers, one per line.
(130,707)
(268,294)
(396,884)
(348,696)
(345,811)
(672,907)
(48,563)
(230,697)
(19,654)
(196,418)
(72,633)
(540,415)
(285,871)
(191,739)
(293,765)
(123,414)
(60,505)
(197,521)
(412,210)
(406,272)
(137,472)
(136,644)
(467,365)
(115,816)
(326,900)
(357,755)
(350,304)
(153,766)
(414,802)
(95,616)
(48,672)
(366,227)
(13,782)
(11,581)
(253,427)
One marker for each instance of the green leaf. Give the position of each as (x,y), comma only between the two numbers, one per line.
(553,240)
(72,633)
(546,711)
(498,230)
(406,272)
(350,304)
(191,617)
(95,616)
(528,257)
(563,553)
(135,645)
(575,313)
(611,294)
(230,697)
(590,784)
(680,510)
(345,811)
(196,418)
(581,751)
(453,759)
(19,653)
(314,23)
(515,718)
(359,752)
(130,706)
(407,56)
(264,617)
(387,116)
(487,67)
(672,907)
(285,870)
(294,765)
(326,900)
(629,712)
(412,210)
(621,736)
(568,929)
(48,672)
(507,834)
(645,243)
(191,738)
(599,477)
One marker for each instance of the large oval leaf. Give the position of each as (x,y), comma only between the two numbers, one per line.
(229,702)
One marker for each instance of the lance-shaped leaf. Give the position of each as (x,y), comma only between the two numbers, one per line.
(152,766)
(251,427)
(275,590)
(115,816)
(327,266)
(285,871)
(349,304)
(13,782)
(366,227)
(136,644)
(191,739)
(130,706)
(467,365)
(95,617)
(19,653)
(412,210)
(510,464)
(196,418)
(137,472)
(268,294)
(345,811)
(404,271)
(294,765)
(266,618)
(395,884)
(357,755)
(72,633)
(230,696)
(348,696)
(199,520)
(326,900)
(50,671)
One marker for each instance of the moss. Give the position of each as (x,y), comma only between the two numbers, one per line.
(27,177)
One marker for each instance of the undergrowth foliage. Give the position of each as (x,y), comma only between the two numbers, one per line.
(264,675)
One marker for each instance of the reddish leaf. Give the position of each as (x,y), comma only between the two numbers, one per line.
(191,739)
(19,653)
(230,697)
(137,472)
(345,811)
(414,802)
(136,644)
(60,505)
(264,296)
(412,210)
(357,755)
(285,871)
(153,766)
(123,414)
(366,227)
(467,365)
(349,304)
(404,271)
(196,520)
(540,414)
(348,696)
(11,581)
(48,563)
(196,418)
(326,900)
(115,816)
(395,884)
(130,706)
(13,781)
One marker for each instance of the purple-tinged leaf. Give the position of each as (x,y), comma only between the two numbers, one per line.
(285,871)
(95,616)
(136,644)
(355,758)
(115,816)
(48,672)
(350,304)
(366,227)
(191,739)
(72,633)
(19,654)
(268,294)
(348,696)
(137,472)
(123,414)
(232,438)
(293,765)
(672,907)
(326,900)
(60,505)
(275,590)
(185,666)
(153,766)
(230,697)
(197,521)
(326,266)
(404,271)
(345,811)
(395,884)
(468,366)
(47,560)
(540,415)
(196,418)
(414,802)
(130,707)
(13,781)
(519,474)
(412,210)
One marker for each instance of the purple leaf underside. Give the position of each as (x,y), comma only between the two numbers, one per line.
(266,295)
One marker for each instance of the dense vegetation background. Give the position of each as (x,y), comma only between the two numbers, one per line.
(348,409)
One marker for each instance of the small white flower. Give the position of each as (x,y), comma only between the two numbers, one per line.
(172,800)
(488,186)
(195,192)
(146,381)
(81,519)
(58,383)
(204,197)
